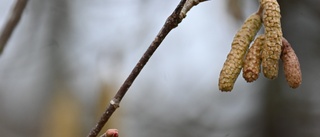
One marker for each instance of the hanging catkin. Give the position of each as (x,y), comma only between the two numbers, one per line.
(252,62)
(233,64)
(291,65)
(273,38)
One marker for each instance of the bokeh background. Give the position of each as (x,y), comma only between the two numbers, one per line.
(67,58)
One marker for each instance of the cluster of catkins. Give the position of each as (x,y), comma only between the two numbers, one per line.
(266,51)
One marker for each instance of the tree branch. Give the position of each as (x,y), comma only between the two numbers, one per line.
(12,23)
(172,21)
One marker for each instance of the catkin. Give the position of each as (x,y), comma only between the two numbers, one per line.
(252,61)
(233,64)
(291,65)
(273,34)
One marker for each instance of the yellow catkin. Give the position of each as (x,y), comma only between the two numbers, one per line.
(291,65)
(273,34)
(252,62)
(240,44)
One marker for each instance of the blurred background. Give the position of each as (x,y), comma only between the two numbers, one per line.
(67,58)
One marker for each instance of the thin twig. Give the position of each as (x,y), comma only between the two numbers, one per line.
(12,22)
(172,21)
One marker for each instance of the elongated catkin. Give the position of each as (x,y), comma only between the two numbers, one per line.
(252,61)
(234,62)
(291,65)
(273,34)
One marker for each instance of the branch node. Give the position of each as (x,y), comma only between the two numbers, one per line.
(115,103)
(188,5)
